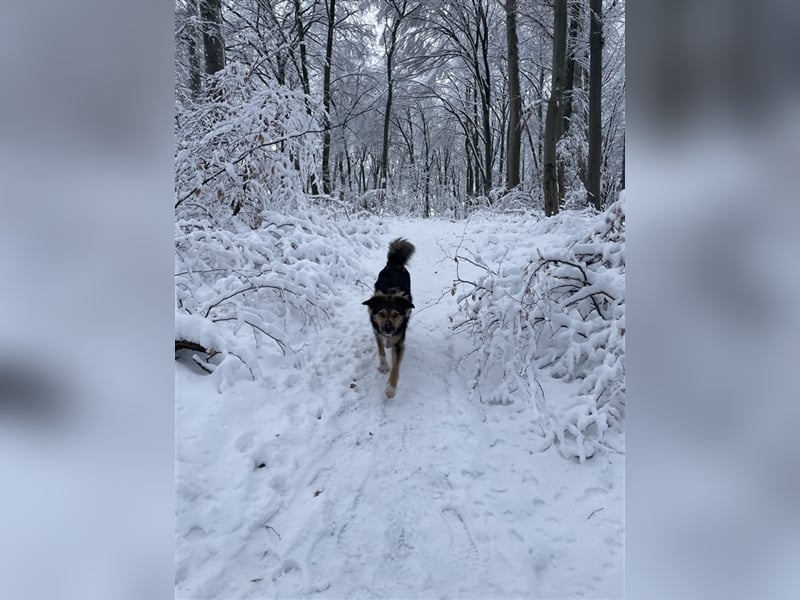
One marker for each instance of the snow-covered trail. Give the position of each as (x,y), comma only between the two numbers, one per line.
(313,484)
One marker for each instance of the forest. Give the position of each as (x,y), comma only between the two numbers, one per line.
(399,107)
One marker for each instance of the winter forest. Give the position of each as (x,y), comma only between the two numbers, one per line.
(311,133)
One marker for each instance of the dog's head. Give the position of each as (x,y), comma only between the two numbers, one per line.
(389,312)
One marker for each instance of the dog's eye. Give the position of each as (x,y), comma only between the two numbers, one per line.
(395,314)
(382,314)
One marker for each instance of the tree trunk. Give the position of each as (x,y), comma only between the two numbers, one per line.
(488,154)
(573,67)
(211,16)
(502,137)
(362,174)
(384,168)
(595,91)
(486,101)
(326,99)
(195,62)
(349,167)
(428,164)
(553,121)
(540,117)
(304,77)
(470,185)
(301,40)
(514,138)
(390,44)
(476,186)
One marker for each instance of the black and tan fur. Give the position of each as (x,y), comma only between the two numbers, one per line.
(390,309)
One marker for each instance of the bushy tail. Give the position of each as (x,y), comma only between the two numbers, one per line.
(400,251)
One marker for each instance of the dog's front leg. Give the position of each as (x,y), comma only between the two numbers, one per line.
(397,356)
(383,366)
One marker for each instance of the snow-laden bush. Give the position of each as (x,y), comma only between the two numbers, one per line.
(562,312)
(244,295)
(251,150)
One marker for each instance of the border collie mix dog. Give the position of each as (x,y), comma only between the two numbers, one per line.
(390,308)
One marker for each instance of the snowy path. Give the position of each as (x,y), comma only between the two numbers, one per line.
(313,484)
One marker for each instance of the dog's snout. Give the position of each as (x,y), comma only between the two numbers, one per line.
(388,328)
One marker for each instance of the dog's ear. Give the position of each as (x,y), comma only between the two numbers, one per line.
(404,303)
(371,302)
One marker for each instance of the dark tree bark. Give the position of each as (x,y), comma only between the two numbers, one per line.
(390,43)
(428,164)
(301,42)
(326,98)
(384,167)
(573,68)
(305,80)
(552,124)
(514,138)
(469,188)
(211,16)
(595,93)
(486,96)
(476,170)
(195,62)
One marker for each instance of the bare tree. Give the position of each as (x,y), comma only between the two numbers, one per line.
(595,93)
(188,31)
(573,72)
(394,19)
(326,97)
(211,16)
(514,143)
(573,81)
(553,121)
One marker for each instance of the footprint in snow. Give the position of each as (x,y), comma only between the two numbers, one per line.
(244,443)
(462,549)
(289,580)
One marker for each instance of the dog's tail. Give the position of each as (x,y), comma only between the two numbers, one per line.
(400,251)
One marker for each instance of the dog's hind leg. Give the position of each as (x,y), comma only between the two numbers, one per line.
(397,356)
(383,366)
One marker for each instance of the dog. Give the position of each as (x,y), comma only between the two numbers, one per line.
(390,309)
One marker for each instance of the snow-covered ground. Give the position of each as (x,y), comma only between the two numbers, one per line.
(308,482)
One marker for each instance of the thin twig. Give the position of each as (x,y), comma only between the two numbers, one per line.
(282,345)
(591,514)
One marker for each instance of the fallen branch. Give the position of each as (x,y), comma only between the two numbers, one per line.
(194,346)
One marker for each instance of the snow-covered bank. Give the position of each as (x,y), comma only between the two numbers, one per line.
(306,481)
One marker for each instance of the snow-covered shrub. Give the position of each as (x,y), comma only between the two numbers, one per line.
(244,295)
(517,201)
(562,312)
(252,150)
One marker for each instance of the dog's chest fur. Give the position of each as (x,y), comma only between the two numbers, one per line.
(387,340)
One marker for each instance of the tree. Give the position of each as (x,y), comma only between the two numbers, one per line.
(213,46)
(513,145)
(397,12)
(573,76)
(189,61)
(573,71)
(553,121)
(464,29)
(595,106)
(211,16)
(326,97)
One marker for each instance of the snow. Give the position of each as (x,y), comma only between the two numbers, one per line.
(307,482)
